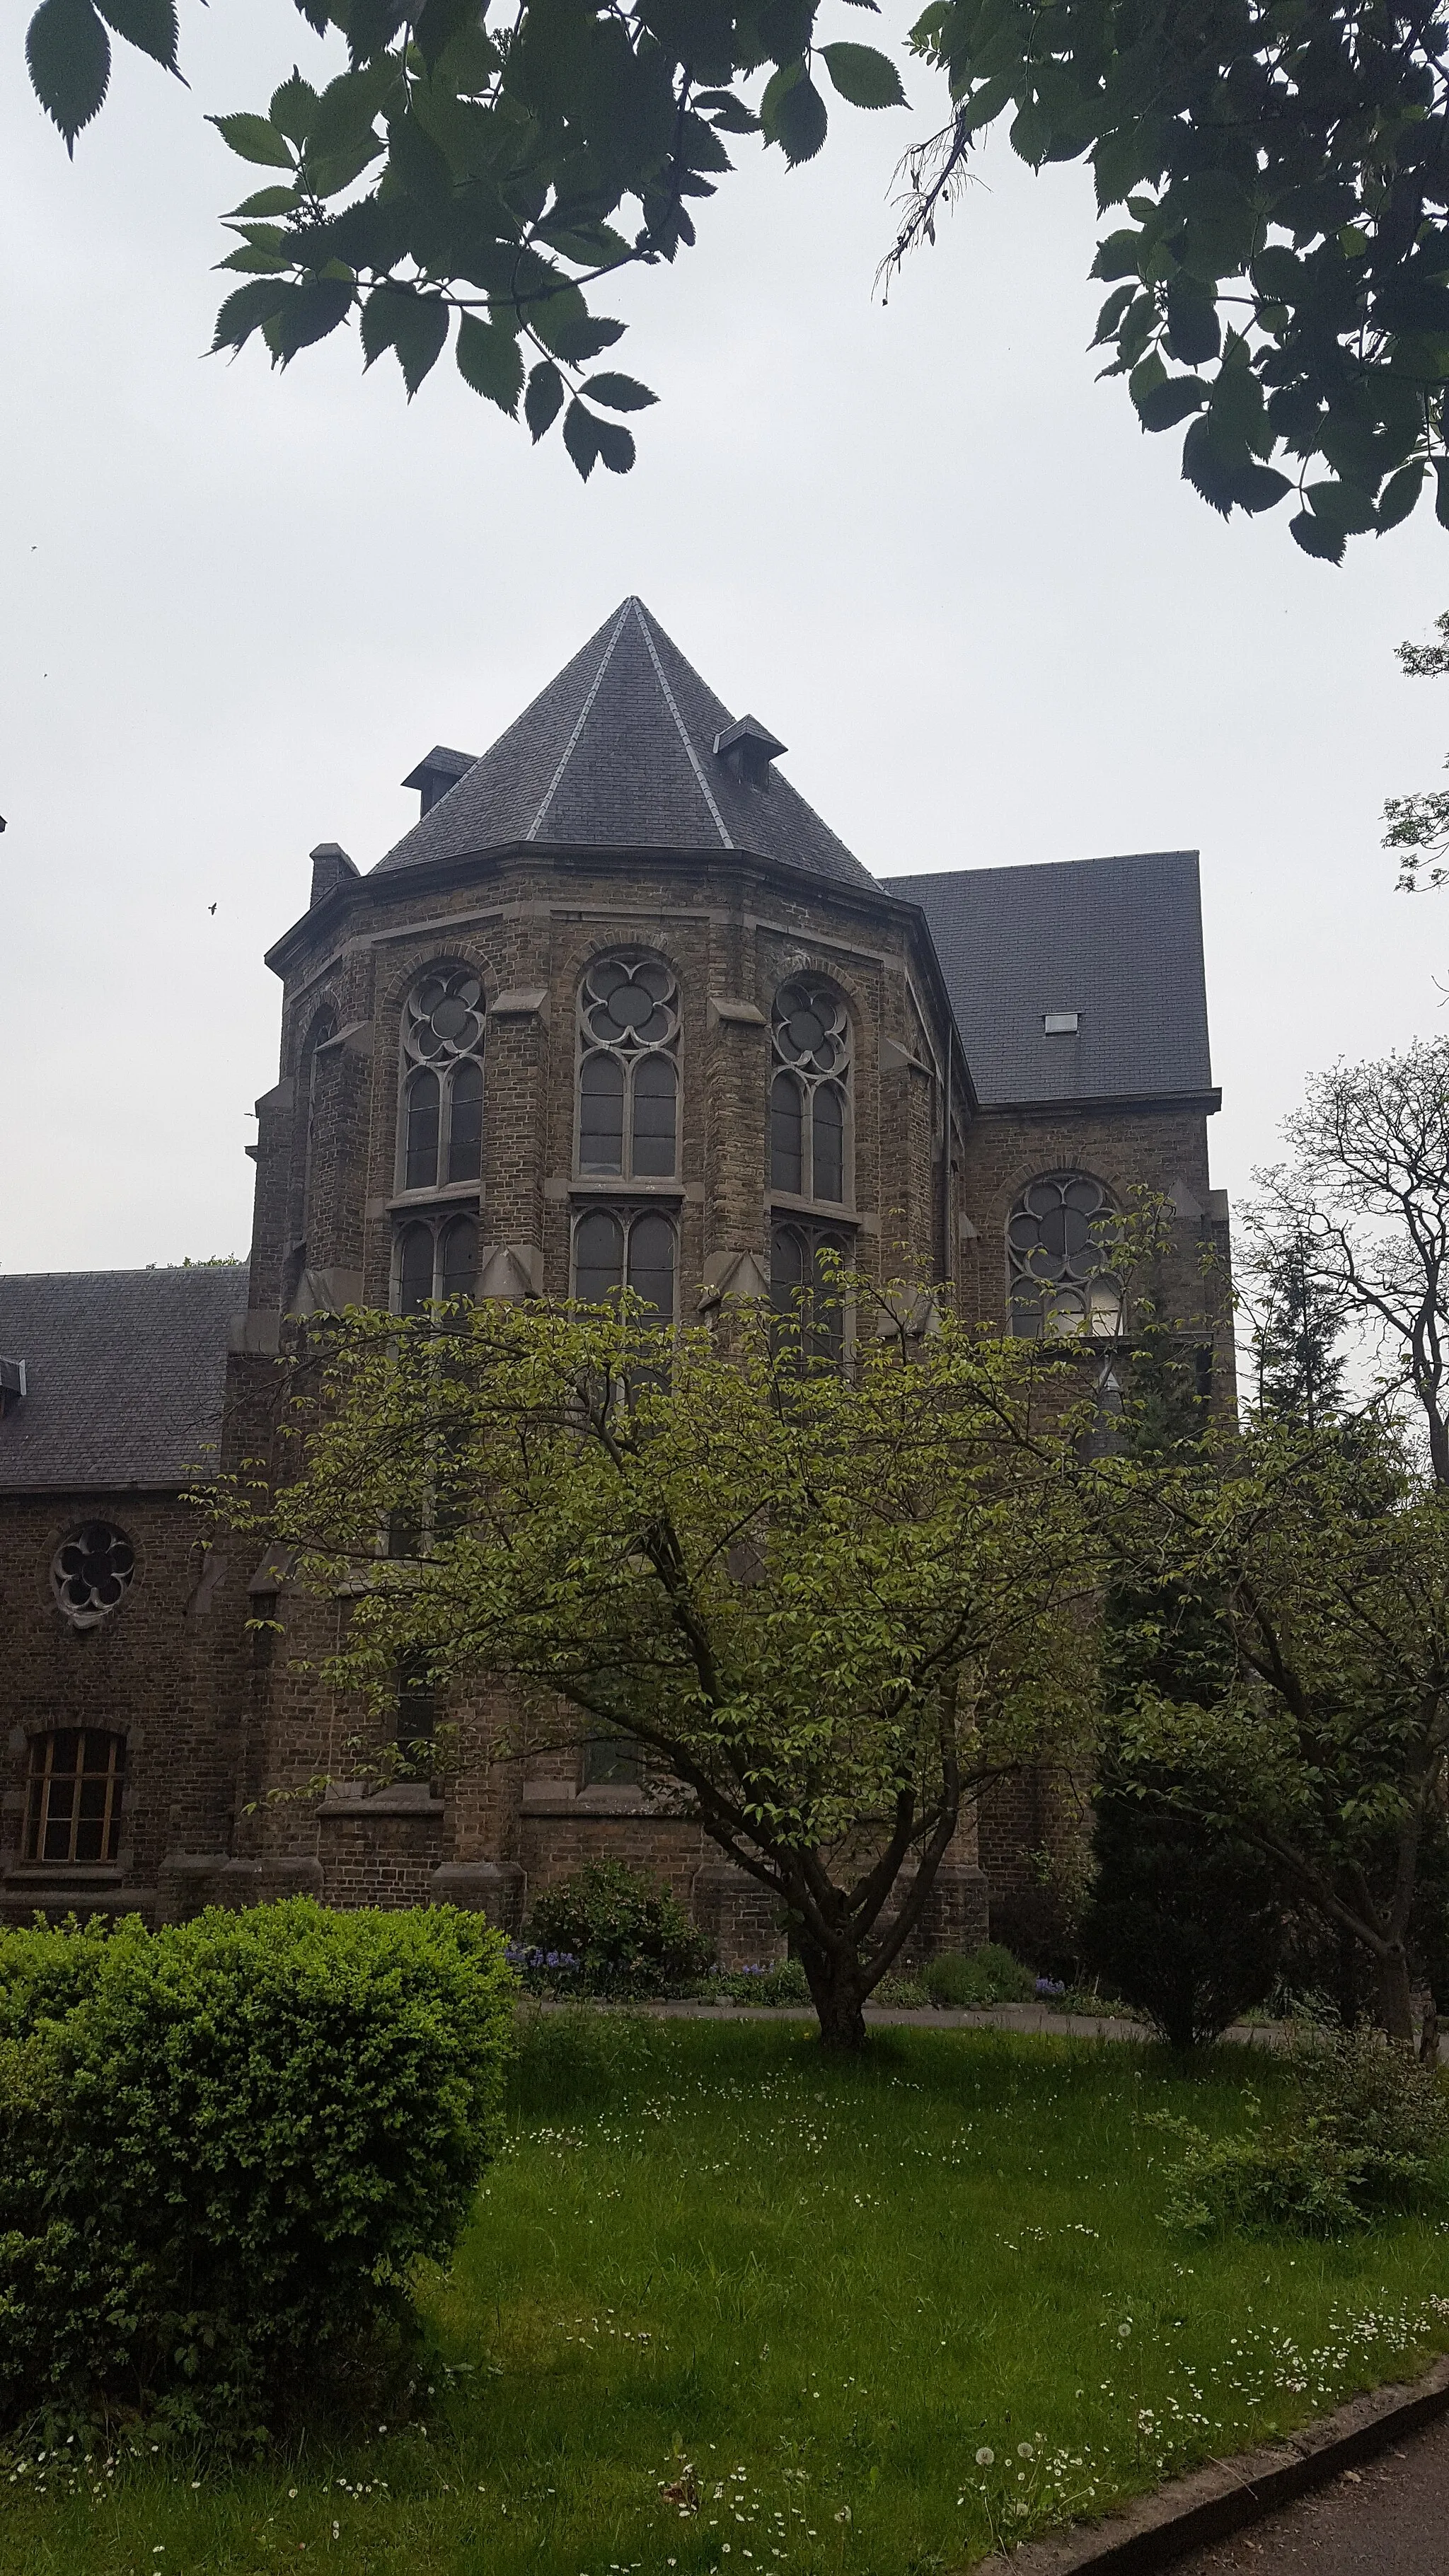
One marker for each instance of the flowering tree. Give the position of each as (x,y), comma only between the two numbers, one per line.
(830,1602)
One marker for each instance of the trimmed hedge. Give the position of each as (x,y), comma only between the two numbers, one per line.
(607,1930)
(224,2147)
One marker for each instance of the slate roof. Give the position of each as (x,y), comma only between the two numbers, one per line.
(124,1375)
(1118,940)
(618,753)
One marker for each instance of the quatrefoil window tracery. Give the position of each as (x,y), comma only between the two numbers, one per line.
(628,1069)
(92,1572)
(810,1092)
(442,1101)
(1059,1258)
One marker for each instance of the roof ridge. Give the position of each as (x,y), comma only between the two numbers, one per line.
(571,746)
(642,614)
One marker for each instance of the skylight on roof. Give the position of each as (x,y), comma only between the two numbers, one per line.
(1061,1024)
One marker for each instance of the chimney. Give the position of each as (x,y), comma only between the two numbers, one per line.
(331,867)
(436,773)
(747,749)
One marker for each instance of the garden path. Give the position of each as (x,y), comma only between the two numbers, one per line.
(1389,2518)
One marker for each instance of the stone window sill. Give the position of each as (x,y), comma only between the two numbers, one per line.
(446,1194)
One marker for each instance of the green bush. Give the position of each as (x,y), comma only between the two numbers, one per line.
(612,1932)
(1184,1923)
(1365,2124)
(989,1975)
(224,2147)
(785,1984)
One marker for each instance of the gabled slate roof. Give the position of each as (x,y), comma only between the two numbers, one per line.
(618,753)
(124,1375)
(1117,940)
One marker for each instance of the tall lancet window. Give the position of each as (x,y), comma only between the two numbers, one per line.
(810,1127)
(440,1127)
(628,1070)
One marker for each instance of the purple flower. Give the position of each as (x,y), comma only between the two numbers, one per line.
(1049,1986)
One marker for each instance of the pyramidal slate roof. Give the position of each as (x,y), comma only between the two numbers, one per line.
(618,753)
(1118,941)
(124,1375)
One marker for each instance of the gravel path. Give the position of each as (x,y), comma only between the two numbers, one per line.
(1389,2518)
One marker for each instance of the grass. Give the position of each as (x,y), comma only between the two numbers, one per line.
(866,2317)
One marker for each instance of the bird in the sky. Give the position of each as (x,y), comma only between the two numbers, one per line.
(211,907)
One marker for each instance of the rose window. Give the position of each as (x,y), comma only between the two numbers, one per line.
(445,1017)
(630,1004)
(1058,1249)
(91,1572)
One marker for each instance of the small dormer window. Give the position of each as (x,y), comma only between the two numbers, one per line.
(747,749)
(1061,1024)
(12,1385)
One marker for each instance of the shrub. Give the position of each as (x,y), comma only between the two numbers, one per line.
(225,2145)
(1184,1923)
(989,1975)
(785,1984)
(1365,2124)
(627,1936)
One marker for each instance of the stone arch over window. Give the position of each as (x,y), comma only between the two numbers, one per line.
(811,1143)
(73,1795)
(1060,1278)
(440,1112)
(626,1248)
(436,1261)
(804,1291)
(628,1069)
(91,1572)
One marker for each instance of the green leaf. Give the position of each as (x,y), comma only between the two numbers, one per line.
(1341,508)
(310,312)
(1112,312)
(1316,537)
(616,446)
(1163,406)
(583,337)
(619,393)
(246,311)
(415,326)
(544,399)
(1118,256)
(1259,487)
(267,201)
(1400,494)
(863,76)
(69,57)
(800,122)
(328,173)
(149,25)
(251,138)
(1441,496)
(293,107)
(581,437)
(1194,332)
(489,361)
(1030,135)
(348,106)
(258,259)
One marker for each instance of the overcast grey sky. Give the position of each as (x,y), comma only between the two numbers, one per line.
(921,542)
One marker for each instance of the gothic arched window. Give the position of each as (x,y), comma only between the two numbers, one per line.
(441,1123)
(629,1069)
(91,1573)
(437,1261)
(804,1287)
(73,1795)
(626,1248)
(1058,1244)
(810,1093)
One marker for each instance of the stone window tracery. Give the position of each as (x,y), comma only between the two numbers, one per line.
(1058,1244)
(628,1069)
(810,1092)
(91,1573)
(441,1141)
(437,1261)
(626,1248)
(73,1795)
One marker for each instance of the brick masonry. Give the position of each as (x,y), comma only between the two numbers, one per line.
(224,1733)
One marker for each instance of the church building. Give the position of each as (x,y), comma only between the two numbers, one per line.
(618,1008)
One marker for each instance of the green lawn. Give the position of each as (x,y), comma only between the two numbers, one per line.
(811,2295)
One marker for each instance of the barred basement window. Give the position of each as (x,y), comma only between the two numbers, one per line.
(90,1575)
(73,1801)
(810,1093)
(1058,1259)
(437,1260)
(626,1248)
(441,1125)
(628,1069)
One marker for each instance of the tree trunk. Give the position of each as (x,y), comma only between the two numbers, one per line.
(837,1990)
(1429,2035)
(1395,2002)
